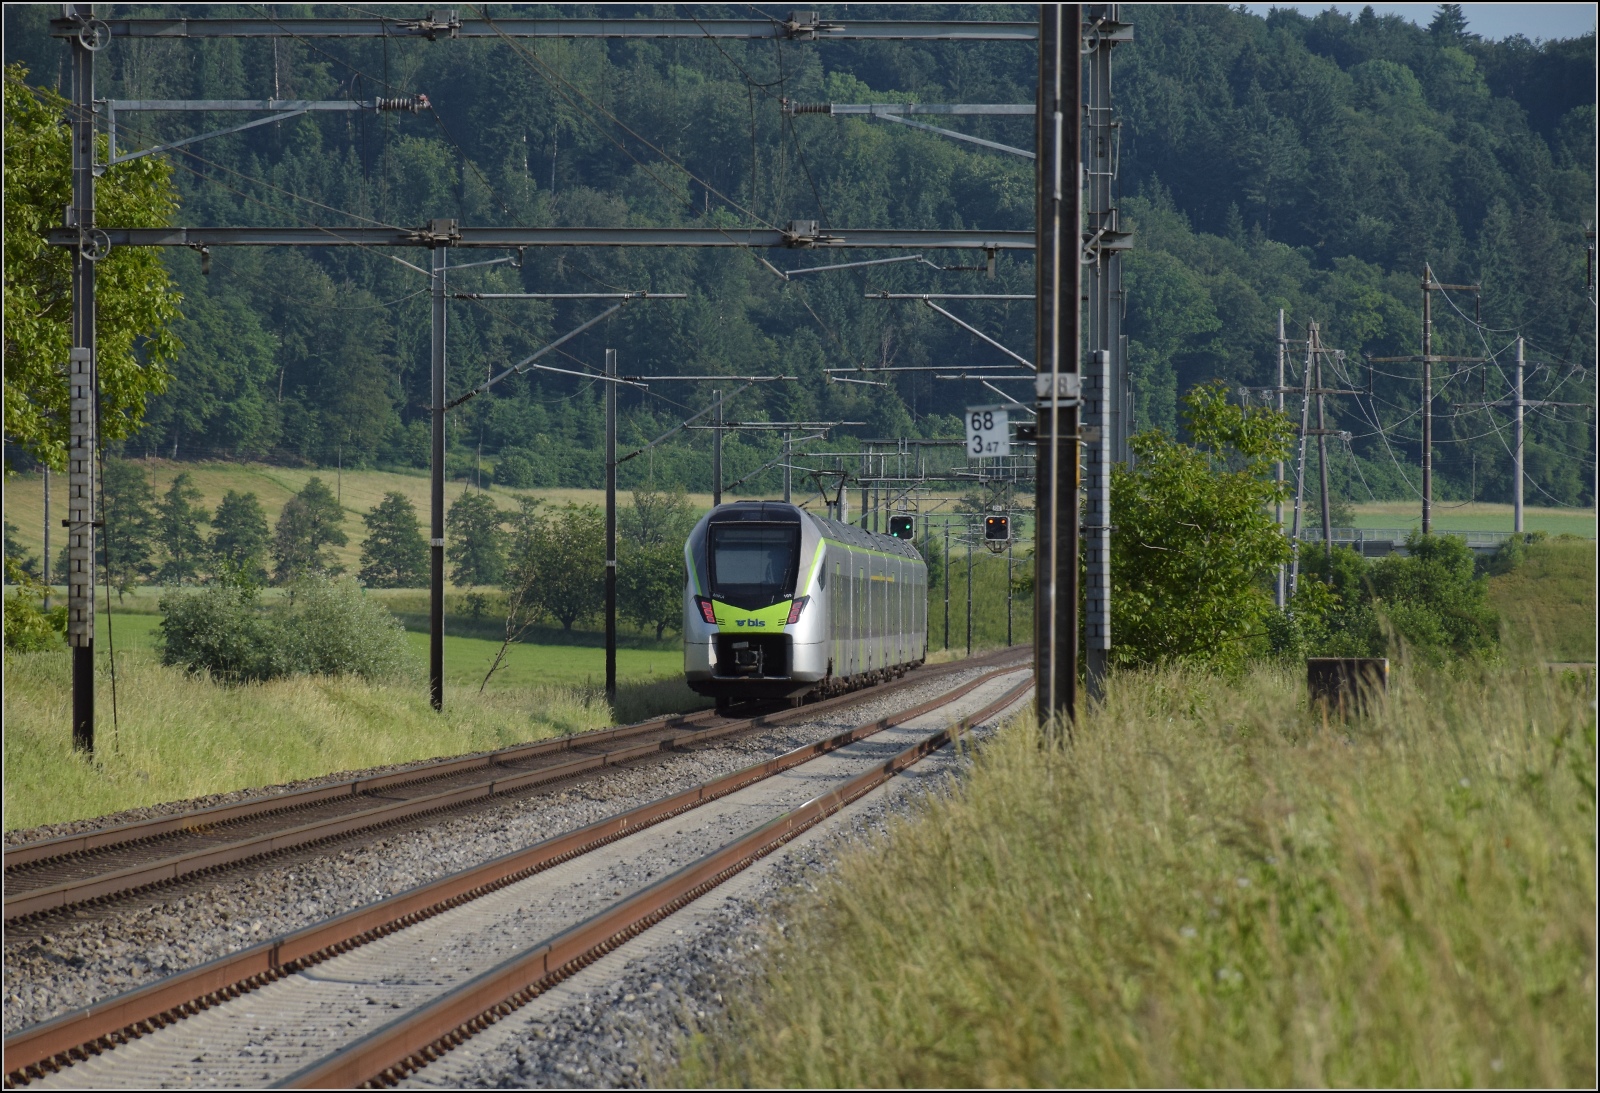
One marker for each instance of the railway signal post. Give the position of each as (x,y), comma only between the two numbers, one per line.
(1057,269)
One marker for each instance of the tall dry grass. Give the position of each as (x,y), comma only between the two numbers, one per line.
(1212,887)
(183,736)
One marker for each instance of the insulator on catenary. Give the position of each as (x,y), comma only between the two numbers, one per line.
(411,103)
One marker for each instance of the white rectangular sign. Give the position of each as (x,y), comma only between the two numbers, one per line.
(988,432)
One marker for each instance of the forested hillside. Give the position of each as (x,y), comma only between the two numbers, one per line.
(1306,164)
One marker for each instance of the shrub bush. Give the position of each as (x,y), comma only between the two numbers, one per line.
(335,629)
(30,630)
(222,629)
(324,627)
(516,468)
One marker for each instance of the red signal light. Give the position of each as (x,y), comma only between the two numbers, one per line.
(795,609)
(707,611)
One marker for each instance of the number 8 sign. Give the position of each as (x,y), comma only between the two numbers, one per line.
(988,434)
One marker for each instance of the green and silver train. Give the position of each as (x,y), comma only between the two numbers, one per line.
(780,603)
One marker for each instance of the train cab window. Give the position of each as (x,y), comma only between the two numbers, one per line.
(753,565)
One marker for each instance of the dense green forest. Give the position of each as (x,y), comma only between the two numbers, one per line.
(1309,164)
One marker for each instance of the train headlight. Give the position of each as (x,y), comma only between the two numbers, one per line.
(795,608)
(707,611)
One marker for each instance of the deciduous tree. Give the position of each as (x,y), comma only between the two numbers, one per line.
(1194,536)
(307,527)
(239,537)
(136,298)
(650,559)
(128,539)
(560,556)
(393,554)
(178,520)
(475,542)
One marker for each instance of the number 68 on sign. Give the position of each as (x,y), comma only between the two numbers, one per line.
(988,434)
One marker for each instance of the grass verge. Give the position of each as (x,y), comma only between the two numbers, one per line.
(183,736)
(1212,888)
(1547,604)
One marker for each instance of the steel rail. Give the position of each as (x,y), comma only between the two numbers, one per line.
(409,1043)
(57,1043)
(126,881)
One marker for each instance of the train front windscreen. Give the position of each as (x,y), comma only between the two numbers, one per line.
(754,565)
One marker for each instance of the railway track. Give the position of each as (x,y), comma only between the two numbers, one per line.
(98,867)
(364,999)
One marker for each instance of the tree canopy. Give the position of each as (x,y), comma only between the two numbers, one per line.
(1311,163)
(137,297)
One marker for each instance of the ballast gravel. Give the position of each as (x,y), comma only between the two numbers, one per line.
(622,1022)
(65,962)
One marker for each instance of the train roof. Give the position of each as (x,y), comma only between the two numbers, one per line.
(836,530)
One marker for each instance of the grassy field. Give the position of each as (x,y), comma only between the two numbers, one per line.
(466,659)
(1476,516)
(1211,888)
(1547,604)
(182,736)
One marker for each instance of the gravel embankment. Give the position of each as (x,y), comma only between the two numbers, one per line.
(66,962)
(622,1022)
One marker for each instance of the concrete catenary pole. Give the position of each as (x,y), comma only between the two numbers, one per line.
(1516,477)
(83,380)
(611,527)
(436,494)
(1057,275)
(1300,480)
(1283,573)
(716,449)
(1009,639)
(788,470)
(969,597)
(947,584)
(47,585)
(1427,399)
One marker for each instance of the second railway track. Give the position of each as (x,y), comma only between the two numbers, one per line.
(372,994)
(57,874)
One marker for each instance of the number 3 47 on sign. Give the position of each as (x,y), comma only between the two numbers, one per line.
(988,434)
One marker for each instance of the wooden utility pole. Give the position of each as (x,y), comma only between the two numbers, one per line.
(1314,343)
(1428,359)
